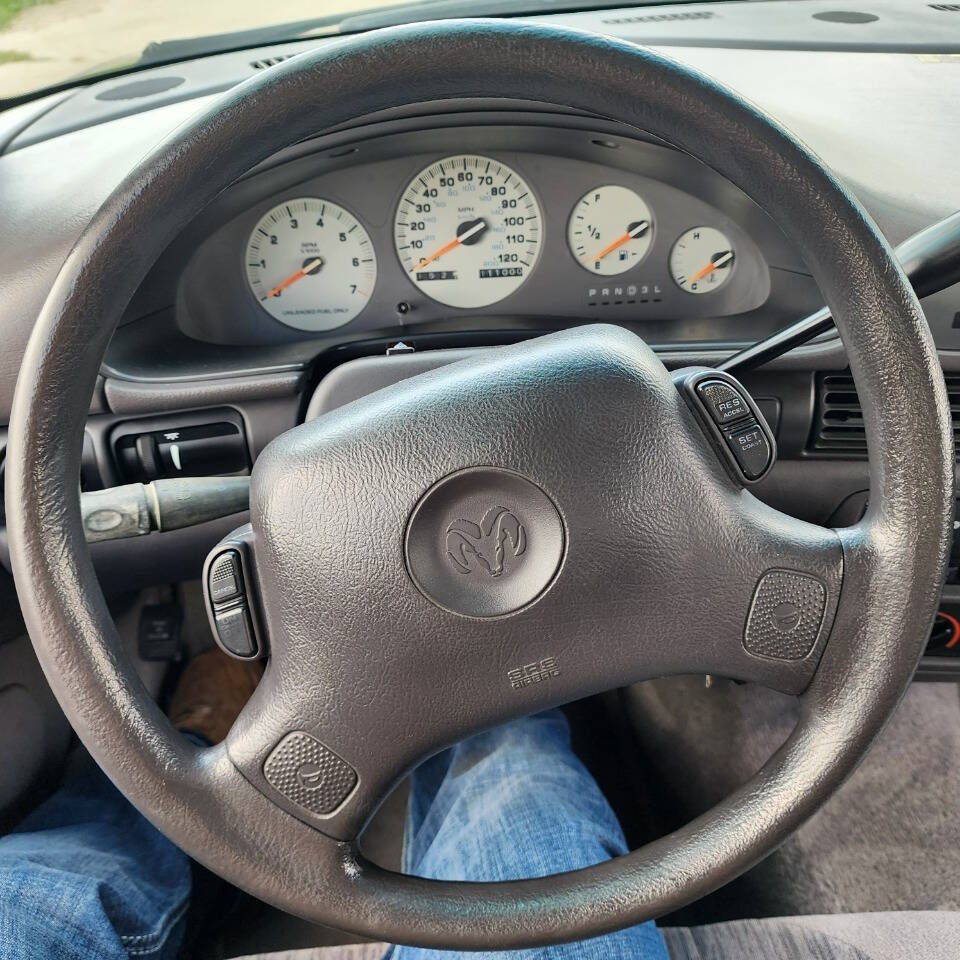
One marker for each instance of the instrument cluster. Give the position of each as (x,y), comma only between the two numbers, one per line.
(484,228)
(468,231)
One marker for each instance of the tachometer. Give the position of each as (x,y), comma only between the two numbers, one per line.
(468,231)
(610,230)
(311,264)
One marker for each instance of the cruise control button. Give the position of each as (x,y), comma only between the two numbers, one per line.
(750,448)
(723,402)
(233,629)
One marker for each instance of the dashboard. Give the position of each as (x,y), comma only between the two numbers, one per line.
(206,352)
(874,101)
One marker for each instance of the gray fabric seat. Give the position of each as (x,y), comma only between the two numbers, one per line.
(907,935)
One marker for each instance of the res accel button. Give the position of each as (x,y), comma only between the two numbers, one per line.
(750,448)
(722,401)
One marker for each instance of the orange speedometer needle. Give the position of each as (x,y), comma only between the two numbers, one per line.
(719,260)
(472,231)
(634,230)
(311,266)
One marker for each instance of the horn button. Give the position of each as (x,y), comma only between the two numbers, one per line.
(484,542)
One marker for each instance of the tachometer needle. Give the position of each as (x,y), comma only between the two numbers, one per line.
(473,230)
(311,266)
(719,260)
(634,230)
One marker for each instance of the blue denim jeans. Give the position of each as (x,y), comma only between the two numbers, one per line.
(85,877)
(511,803)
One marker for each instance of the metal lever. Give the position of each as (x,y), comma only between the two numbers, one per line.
(931,261)
(137,509)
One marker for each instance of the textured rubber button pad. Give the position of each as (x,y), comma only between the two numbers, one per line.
(785,616)
(309,774)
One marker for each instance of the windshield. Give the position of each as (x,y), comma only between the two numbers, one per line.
(48,42)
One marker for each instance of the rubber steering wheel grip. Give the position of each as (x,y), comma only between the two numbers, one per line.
(881,577)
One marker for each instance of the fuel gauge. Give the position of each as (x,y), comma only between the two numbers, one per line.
(701,260)
(610,230)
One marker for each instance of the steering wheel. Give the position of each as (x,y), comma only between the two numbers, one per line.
(629,550)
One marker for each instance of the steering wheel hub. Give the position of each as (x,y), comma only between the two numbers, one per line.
(484,542)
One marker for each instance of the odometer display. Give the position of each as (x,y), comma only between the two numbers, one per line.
(467,231)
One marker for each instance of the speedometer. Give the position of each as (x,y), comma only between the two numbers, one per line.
(467,231)
(311,264)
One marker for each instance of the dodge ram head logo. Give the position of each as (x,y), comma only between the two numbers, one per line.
(485,546)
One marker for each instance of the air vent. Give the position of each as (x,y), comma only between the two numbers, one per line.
(661,17)
(945,7)
(838,420)
(268,62)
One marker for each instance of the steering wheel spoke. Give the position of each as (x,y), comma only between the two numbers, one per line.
(792,575)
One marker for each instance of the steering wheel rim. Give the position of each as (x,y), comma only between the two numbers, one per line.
(892,563)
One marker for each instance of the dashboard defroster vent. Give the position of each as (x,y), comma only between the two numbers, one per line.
(838,418)
(661,17)
(945,7)
(268,62)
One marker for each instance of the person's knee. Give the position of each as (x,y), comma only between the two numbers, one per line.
(542,733)
(518,754)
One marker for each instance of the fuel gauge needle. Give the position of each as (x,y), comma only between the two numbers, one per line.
(311,266)
(719,260)
(634,230)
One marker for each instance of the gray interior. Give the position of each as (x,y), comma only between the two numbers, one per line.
(852,937)
(867,850)
(188,352)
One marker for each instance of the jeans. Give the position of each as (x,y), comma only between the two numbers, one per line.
(85,877)
(511,803)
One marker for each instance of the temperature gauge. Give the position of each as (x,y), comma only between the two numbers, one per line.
(701,261)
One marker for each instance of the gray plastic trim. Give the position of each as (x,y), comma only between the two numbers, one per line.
(357,378)
(133,398)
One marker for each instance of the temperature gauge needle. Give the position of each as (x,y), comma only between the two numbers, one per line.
(476,228)
(311,266)
(634,230)
(719,260)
